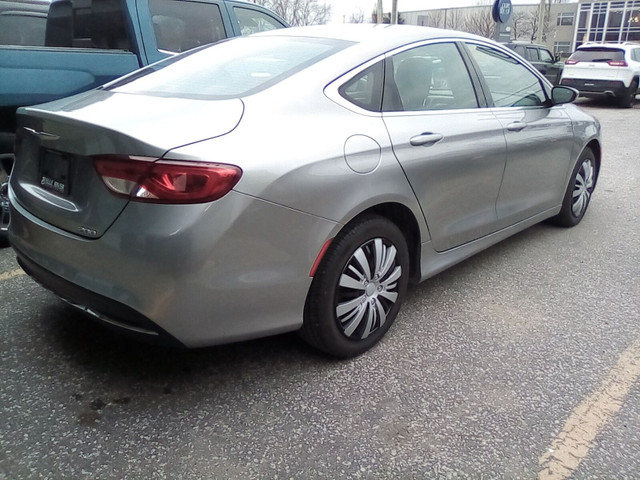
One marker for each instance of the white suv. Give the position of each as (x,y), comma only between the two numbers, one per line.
(609,69)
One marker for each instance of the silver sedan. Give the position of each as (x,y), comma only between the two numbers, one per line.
(292,180)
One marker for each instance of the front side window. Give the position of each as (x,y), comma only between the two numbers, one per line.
(509,82)
(252,21)
(235,68)
(180,26)
(431,77)
(545,56)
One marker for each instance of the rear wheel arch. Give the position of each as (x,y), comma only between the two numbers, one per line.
(406,221)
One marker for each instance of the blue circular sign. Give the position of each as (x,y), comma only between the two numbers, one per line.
(502,10)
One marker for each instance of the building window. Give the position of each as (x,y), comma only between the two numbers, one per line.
(565,19)
(562,49)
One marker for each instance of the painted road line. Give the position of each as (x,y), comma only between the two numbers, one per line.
(9,275)
(572,444)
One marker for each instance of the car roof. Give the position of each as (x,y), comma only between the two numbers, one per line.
(525,44)
(373,34)
(619,46)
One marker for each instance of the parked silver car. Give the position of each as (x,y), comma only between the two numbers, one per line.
(294,180)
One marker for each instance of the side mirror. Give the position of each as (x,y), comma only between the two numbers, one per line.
(561,94)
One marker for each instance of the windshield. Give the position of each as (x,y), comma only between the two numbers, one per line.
(597,54)
(230,69)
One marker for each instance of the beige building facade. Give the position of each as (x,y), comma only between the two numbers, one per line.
(614,21)
(559,28)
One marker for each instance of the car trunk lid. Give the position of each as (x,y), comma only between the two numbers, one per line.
(54,176)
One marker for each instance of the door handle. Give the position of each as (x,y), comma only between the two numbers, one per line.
(426,138)
(516,126)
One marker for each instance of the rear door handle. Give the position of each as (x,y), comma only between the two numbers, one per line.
(516,126)
(426,138)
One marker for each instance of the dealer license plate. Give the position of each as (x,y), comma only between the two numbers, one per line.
(55,168)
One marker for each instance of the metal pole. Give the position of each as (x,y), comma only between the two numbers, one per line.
(394,11)
(540,22)
(379,12)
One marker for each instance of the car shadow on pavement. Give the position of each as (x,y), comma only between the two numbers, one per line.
(605,102)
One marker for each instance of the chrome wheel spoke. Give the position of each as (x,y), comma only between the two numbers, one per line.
(347,281)
(391,296)
(379,251)
(579,204)
(347,307)
(370,323)
(390,259)
(350,326)
(360,257)
(395,275)
(382,315)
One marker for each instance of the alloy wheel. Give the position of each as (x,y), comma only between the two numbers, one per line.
(583,187)
(367,288)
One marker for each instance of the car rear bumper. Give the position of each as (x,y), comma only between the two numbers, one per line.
(108,312)
(588,87)
(214,274)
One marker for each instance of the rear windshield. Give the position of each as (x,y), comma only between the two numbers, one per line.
(597,54)
(229,69)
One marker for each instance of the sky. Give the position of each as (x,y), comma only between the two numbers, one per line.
(342,9)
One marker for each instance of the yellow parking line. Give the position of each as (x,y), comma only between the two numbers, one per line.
(9,275)
(572,444)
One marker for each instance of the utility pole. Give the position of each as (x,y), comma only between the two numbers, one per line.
(394,11)
(379,12)
(540,22)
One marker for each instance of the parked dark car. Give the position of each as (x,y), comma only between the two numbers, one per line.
(540,57)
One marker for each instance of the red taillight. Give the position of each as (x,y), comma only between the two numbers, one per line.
(617,63)
(146,179)
(571,61)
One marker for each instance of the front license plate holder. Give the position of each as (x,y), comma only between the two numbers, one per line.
(55,171)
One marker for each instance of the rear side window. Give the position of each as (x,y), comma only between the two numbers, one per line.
(22,28)
(510,83)
(532,54)
(365,89)
(597,55)
(67,23)
(180,26)
(235,68)
(252,21)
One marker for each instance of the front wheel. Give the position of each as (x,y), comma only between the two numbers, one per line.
(4,205)
(578,194)
(357,291)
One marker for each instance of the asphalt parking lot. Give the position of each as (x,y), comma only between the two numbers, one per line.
(522,362)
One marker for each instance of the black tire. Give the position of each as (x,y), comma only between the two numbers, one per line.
(4,207)
(349,281)
(578,194)
(629,97)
